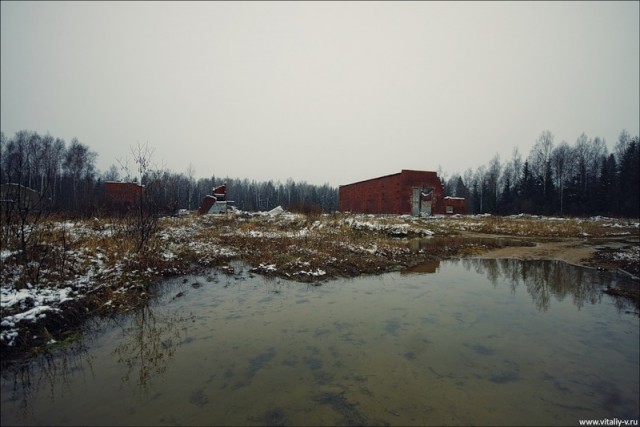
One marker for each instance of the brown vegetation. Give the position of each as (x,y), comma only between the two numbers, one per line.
(102,256)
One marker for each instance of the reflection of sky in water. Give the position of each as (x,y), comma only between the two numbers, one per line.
(476,342)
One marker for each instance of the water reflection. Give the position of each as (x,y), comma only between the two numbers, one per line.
(545,280)
(149,343)
(47,374)
(453,342)
(428,267)
(443,243)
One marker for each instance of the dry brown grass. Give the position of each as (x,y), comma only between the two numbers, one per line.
(299,247)
(529,226)
(338,244)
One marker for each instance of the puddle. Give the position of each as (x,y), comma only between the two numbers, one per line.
(461,342)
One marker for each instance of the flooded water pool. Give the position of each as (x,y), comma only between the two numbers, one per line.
(489,342)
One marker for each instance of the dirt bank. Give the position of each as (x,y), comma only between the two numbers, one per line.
(604,254)
(612,254)
(572,251)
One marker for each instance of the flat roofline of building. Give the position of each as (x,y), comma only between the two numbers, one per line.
(123,182)
(387,176)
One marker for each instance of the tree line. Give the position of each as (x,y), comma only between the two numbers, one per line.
(557,179)
(66,176)
(554,179)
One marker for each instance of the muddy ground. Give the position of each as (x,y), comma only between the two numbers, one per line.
(294,247)
(573,252)
(602,254)
(595,253)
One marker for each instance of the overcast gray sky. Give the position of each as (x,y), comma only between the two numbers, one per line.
(323,92)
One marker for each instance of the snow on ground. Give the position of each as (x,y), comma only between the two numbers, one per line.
(27,303)
(628,254)
(44,301)
(24,304)
(35,301)
(386,224)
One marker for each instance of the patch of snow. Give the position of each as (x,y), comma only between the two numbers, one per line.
(276,211)
(316,273)
(5,253)
(34,295)
(303,232)
(628,254)
(265,268)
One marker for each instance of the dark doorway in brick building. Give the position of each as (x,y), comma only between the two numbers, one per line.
(421,201)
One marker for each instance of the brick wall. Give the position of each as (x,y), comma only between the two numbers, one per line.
(391,194)
(122,193)
(455,205)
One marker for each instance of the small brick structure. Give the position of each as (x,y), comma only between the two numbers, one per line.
(410,192)
(216,202)
(455,205)
(122,195)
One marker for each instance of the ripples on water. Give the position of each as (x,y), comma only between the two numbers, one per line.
(460,342)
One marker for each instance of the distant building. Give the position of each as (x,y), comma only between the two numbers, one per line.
(417,193)
(122,195)
(216,202)
(455,205)
(16,196)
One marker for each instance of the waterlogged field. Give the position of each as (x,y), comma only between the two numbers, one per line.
(74,270)
(484,342)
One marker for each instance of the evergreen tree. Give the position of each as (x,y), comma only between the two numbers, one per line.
(630,180)
(527,193)
(606,197)
(506,201)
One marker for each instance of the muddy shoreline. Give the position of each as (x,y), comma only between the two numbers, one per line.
(594,253)
(599,254)
(310,249)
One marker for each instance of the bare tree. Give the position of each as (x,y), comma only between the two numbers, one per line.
(595,156)
(624,139)
(191,172)
(147,211)
(34,159)
(54,166)
(112,174)
(479,187)
(540,160)
(493,174)
(562,164)
(581,153)
(23,209)
(79,164)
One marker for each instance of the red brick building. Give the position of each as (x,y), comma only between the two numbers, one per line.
(417,193)
(455,205)
(122,195)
